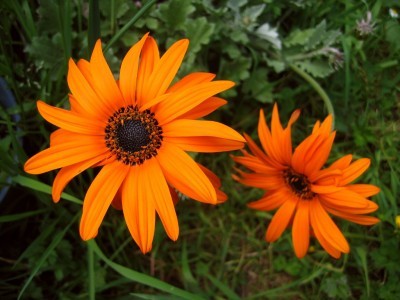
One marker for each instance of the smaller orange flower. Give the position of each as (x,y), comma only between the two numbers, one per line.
(302,191)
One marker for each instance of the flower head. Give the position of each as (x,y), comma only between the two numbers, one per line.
(366,27)
(303,192)
(137,130)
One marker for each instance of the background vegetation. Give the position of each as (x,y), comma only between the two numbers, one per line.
(298,53)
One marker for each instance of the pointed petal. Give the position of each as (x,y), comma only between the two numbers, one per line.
(99,196)
(129,72)
(203,109)
(64,155)
(104,81)
(191,80)
(332,251)
(204,144)
(255,164)
(67,173)
(281,219)
(158,191)
(262,181)
(67,120)
(319,156)
(149,59)
(192,128)
(327,227)
(301,229)
(344,198)
(362,220)
(269,202)
(185,100)
(165,70)
(185,175)
(365,190)
(138,208)
(355,170)
(84,93)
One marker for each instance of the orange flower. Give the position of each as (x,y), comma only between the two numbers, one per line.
(303,192)
(137,129)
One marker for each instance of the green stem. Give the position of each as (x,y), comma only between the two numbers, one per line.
(132,21)
(317,88)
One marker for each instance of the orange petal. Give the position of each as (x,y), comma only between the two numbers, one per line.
(84,93)
(203,109)
(204,144)
(67,120)
(262,181)
(103,79)
(185,100)
(64,155)
(281,219)
(99,196)
(270,202)
(129,71)
(362,220)
(255,164)
(324,243)
(327,227)
(344,198)
(319,157)
(325,189)
(301,229)
(117,201)
(67,173)
(138,206)
(341,163)
(185,175)
(192,128)
(355,170)
(149,59)
(365,190)
(165,70)
(261,155)
(190,80)
(157,190)
(266,138)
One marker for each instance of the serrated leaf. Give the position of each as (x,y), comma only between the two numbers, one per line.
(317,36)
(298,37)
(266,32)
(199,32)
(278,65)
(258,87)
(175,12)
(48,16)
(235,4)
(316,68)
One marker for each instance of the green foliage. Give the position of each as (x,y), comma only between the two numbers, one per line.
(302,54)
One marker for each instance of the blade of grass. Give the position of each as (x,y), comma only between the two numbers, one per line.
(24,16)
(132,21)
(94,24)
(362,257)
(56,240)
(92,282)
(223,288)
(64,20)
(21,216)
(142,278)
(42,187)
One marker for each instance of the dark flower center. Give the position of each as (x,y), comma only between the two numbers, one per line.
(299,184)
(133,136)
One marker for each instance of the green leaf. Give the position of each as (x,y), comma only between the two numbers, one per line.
(298,37)
(317,36)
(56,240)
(316,68)
(42,187)
(175,13)
(142,278)
(223,288)
(258,86)
(21,216)
(199,32)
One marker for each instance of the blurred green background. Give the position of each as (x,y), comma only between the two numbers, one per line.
(319,56)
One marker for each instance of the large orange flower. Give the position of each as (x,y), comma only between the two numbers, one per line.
(138,129)
(301,189)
